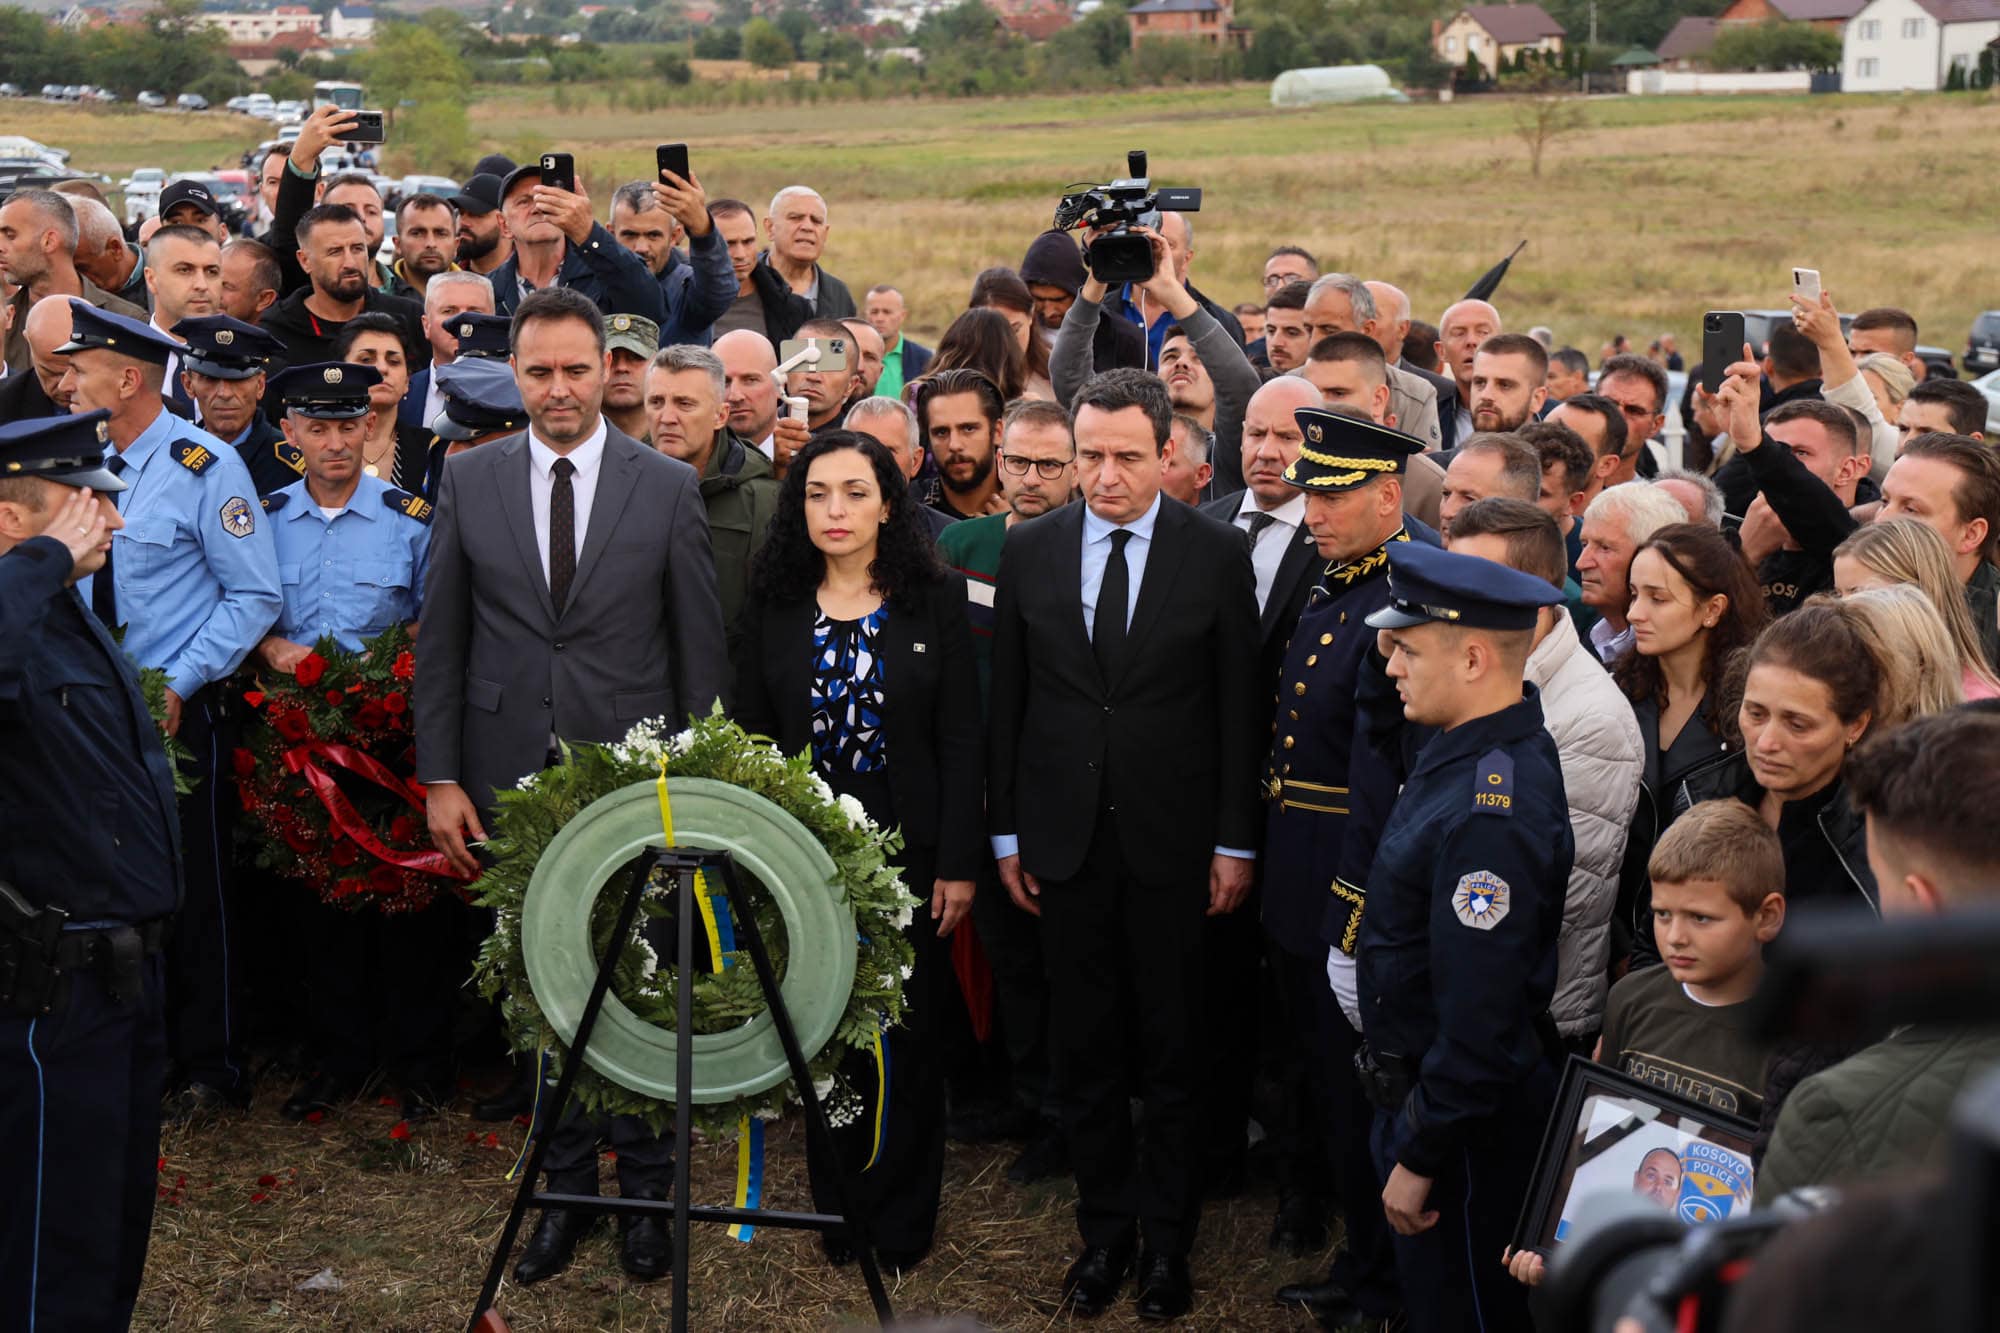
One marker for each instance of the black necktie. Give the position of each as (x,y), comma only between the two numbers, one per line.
(103,592)
(1107,633)
(1258,522)
(562,533)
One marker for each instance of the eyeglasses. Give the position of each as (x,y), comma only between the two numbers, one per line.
(1273,281)
(1048,469)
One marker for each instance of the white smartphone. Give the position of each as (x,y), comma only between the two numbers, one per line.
(1805,284)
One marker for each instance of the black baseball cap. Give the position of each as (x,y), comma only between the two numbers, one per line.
(479,195)
(188,192)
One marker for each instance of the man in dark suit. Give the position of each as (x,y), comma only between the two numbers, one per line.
(1392,327)
(1123,668)
(571,594)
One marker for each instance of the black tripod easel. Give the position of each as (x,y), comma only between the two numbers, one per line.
(683,863)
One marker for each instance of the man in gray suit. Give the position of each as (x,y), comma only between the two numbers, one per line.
(571,593)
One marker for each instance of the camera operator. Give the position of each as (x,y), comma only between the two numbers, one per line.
(1177,230)
(1934,848)
(1218,352)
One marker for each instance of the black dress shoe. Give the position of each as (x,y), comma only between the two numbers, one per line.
(1165,1289)
(553,1245)
(1045,1158)
(1093,1281)
(646,1249)
(322,1092)
(517,1098)
(836,1249)
(899,1262)
(1326,1301)
(1300,1226)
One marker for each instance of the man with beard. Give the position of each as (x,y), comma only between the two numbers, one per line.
(763,304)
(183,276)
(866,351)
(450,294)
(1510,372)
(223,371)
(483,244)
(1466,324)
(631,341)
(559,243)
(797,227)
(688,420)
(1339,303)
(37,254)
(751,395)
(825,391)
(333,250)
(960,417)
(359,193)
(250,280)
(426,244)
(1288,336)
(903,361)
(1053,269)
(1639,388)
(649,218)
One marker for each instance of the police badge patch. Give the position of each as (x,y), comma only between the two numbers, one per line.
(1480,900)
(1715,1182)
(236,519)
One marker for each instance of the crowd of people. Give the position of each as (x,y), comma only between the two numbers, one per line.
(1324,723)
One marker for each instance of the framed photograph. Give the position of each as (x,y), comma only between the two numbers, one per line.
(1611,1132)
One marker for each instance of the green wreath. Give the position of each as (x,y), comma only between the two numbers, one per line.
(533,816)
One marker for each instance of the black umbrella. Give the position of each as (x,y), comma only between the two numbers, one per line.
(1489,284)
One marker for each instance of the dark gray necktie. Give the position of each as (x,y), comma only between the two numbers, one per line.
(103,592)
(562,533)
(1258,522)
(1107,632)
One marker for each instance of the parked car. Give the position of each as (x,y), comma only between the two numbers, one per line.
(1982,345)
(9,90)
(1937,361)
(52,92)
(101,95)
(191,102)
(150,99)
(287,112)
(142,194)
(1989,384)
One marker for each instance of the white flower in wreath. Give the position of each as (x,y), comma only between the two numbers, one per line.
(649,961)
(681,742)
(904,915)
(820,789)
(823,1086)
(908,971)
(888,981)
(857,814)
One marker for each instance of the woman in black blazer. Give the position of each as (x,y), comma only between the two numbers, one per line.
(856,646)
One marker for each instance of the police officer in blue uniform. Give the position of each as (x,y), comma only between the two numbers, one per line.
(1329,791)
(89,879)
(481,402)
(1457,947)
(351,552)
(223,369)
(193,577)
(483,337)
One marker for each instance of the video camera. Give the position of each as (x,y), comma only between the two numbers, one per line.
(1836,978)
(1117,255)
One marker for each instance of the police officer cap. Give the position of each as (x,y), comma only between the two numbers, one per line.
(480,397)
(1341,452)
(92,330)
(225,349)
(1429,583)
(329,390)
(481,335)
(65,449)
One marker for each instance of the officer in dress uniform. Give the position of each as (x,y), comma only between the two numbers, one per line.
(193,577)
(351,551)
(223,368)
(89,878)
(1320,832)
(1457,956)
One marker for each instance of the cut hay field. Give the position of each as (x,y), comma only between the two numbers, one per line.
(1658,209)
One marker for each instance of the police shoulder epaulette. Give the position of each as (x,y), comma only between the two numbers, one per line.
(404,503)
(290,455)
(275,501)
(1493,783)
(193,455)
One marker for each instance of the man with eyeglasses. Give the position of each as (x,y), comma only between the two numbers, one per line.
(1639,387)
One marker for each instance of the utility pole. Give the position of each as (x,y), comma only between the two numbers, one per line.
(1583,65)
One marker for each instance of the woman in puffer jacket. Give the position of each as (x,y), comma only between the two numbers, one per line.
(1695,607)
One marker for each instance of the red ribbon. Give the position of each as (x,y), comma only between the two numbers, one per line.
(304,759)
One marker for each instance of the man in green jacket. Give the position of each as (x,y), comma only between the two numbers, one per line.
(1935,848)
(689,421)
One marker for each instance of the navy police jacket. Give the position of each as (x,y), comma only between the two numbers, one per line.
(1328,791)
(1457,956)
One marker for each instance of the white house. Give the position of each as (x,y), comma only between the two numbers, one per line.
(1894,46)
(251,27)
(350,23)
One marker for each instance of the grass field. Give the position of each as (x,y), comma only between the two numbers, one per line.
(1658,209)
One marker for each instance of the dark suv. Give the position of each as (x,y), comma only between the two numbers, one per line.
(1982,345)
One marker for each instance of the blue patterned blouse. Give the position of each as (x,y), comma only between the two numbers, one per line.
(847,683)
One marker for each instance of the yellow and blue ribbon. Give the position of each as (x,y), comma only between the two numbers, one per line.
(534,1115)
(720,931)
(882,1073)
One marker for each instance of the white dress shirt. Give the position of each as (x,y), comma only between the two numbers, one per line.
(587,457)
(173,359)
(1609,643)
(1274,540)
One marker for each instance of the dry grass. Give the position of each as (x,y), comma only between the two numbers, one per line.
(408,1228)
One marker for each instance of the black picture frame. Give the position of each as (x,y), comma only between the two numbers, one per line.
(1714,1143)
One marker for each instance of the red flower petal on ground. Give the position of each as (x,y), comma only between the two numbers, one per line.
(260,1197)
(314,1117)
(255,698)
(160,1165)
(267,1180)
(490,1141)
(405,666)
(400,1130)
(309,670)
(395,702)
